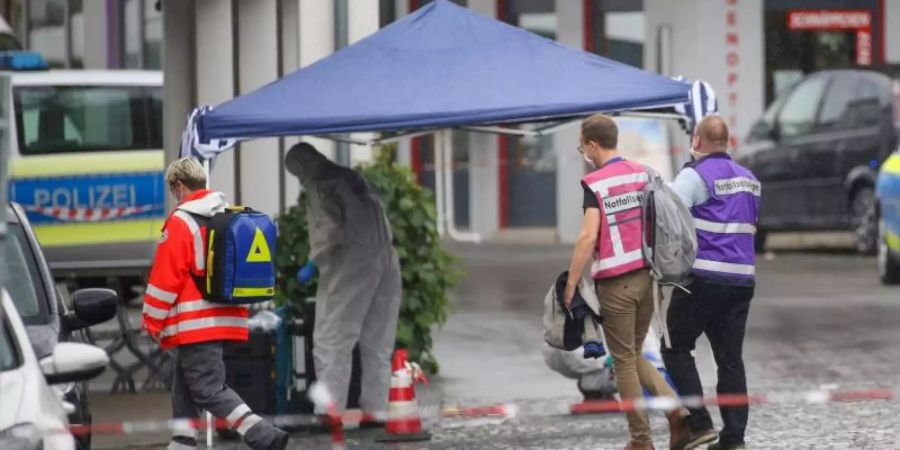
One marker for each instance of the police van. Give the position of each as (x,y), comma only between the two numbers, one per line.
(87,166)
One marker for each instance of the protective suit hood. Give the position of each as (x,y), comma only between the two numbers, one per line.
(310,166)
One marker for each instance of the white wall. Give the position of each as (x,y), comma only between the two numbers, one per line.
(179,81)
(484,192)
(215,76)
(362,21)
(316,41)
(258,65)
(892,31)
(700,50)
(290,60)
(569,164)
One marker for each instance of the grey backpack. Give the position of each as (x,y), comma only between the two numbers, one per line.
(669,239)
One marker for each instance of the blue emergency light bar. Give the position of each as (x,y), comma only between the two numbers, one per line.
(21,61)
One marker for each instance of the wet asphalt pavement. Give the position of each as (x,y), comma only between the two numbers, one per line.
(818,320)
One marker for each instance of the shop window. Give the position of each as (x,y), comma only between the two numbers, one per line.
(142,35)
(799,112)
(616,30)
(625,37)
(793,53)
(76,34)
(536,16)
(47,30)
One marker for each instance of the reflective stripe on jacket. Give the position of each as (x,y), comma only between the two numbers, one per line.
(174,308)
(618,186)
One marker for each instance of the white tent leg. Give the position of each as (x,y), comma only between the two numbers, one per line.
(209,430)
(446,138)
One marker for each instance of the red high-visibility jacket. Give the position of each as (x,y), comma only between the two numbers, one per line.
(174,310)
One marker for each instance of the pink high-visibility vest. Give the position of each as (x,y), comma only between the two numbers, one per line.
(618,186)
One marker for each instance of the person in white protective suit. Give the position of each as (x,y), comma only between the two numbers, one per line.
(595,377)
(358,298)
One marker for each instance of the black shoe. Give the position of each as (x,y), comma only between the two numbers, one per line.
(721,446)
(371,424)
(280,442)
(696,439)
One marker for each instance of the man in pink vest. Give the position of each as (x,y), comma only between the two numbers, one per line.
(611,232)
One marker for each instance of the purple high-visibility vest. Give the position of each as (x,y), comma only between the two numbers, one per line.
(726,222)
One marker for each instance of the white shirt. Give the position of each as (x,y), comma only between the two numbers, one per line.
(690,187)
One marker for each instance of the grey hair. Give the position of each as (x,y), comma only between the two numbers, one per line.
(188,171)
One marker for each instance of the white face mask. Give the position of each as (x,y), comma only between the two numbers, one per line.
(697,155)
(588,160)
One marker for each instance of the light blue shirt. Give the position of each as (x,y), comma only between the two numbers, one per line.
(690,187)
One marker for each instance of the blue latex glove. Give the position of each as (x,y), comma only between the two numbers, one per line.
(594,350)
(306,273)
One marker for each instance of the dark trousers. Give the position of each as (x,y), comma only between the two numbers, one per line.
(719,311)
(200,383)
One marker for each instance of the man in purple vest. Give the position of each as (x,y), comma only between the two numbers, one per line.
(724,200)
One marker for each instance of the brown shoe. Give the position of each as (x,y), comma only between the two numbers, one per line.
(679,431)
(640,446)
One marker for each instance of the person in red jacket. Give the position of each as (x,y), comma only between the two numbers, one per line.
(176,315)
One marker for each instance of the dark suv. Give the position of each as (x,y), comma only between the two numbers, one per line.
(25,275)
(817,150)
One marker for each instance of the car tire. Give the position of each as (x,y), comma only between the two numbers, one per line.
(759,240)
(888,264)
(865,220)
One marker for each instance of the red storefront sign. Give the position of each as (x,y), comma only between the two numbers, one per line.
(829,20)
(838,20)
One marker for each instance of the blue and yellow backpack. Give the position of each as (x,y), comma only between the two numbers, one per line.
(240,257)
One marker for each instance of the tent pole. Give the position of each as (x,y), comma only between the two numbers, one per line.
(560,126)
(206,171)
(446,137)
(437,145)
(501,130)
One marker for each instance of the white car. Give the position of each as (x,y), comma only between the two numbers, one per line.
(32,413)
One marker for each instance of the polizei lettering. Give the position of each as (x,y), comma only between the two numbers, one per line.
(622,202)
(735,185)
(94,196)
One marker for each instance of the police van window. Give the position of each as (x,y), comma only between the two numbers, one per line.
(62,119)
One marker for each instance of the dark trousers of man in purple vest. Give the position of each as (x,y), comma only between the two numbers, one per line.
(719,311)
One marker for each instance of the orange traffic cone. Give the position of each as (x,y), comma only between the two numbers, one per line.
(404,423)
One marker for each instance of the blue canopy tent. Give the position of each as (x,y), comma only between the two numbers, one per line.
(442,66)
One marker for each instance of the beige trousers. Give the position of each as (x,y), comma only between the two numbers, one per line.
(626,303)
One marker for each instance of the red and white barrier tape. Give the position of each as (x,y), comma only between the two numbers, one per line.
(509,411)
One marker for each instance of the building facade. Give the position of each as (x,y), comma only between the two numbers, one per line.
(748,50)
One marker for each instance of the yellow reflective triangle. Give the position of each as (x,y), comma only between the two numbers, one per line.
(259,250)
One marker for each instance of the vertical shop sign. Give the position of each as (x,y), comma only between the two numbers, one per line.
(732,63)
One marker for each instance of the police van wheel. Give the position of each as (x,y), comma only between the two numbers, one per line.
(888,264)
